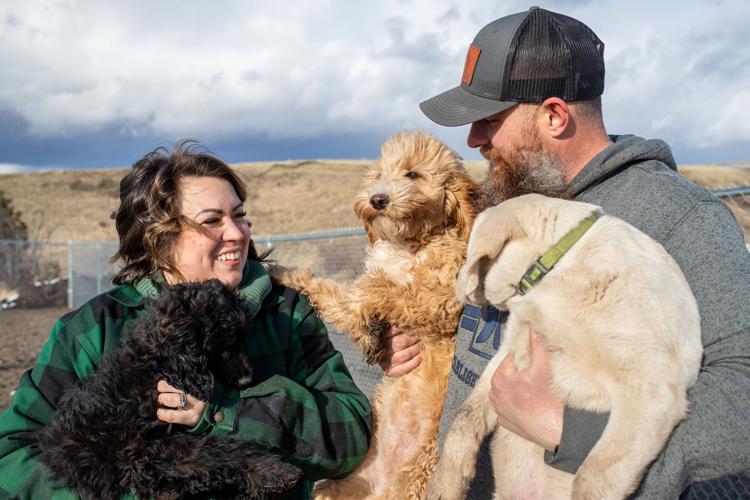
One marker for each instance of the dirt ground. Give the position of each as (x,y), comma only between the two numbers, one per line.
(22,336)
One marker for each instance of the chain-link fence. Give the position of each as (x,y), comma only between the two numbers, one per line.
(69,274)
(339,255)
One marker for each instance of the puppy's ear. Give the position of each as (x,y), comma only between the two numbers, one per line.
(469,284)
(494,228)
(460,206)
(370,234)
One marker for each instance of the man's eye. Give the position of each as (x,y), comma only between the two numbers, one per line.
(412,175)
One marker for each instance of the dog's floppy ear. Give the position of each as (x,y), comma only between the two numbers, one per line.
(370,234)
(460,203)
(494,228)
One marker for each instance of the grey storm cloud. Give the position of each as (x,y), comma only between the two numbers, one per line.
(286,70)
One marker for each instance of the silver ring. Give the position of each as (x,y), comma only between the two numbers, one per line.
(183,401)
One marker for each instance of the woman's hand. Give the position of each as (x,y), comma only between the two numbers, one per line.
(402,352)
(170,401)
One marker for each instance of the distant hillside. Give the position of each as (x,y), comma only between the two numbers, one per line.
(284,197)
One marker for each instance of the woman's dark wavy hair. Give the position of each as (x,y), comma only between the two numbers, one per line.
(148,220)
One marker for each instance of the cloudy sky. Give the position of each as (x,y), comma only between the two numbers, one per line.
(99,83)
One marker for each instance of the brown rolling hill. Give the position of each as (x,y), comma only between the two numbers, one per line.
(284,197)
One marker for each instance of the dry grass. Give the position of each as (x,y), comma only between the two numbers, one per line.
(285,197)
(721,177)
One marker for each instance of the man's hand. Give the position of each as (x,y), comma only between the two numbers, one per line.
(402,352)
(170,410)
(524,401)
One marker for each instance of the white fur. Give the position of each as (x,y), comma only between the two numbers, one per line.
(397,260)
(622,330)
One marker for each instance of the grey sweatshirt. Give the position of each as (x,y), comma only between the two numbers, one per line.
(636,180)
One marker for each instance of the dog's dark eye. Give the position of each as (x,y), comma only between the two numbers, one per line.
(412,175)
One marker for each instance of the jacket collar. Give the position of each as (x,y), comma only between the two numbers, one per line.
(253,289)
(625,150)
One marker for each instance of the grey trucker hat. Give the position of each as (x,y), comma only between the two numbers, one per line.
(524,57)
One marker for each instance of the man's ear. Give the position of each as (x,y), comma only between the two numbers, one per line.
(555,117)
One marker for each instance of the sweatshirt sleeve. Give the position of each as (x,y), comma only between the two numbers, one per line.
(714,440)
(315,417)
(31,408)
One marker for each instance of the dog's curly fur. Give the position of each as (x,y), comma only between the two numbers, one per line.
(105,438)
(622,330)
(417,205)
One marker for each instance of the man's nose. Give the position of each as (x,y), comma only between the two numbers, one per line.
(477,135)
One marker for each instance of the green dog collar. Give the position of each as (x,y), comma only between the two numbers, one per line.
(546,262)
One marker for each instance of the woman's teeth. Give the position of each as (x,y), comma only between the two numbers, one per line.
(229,256)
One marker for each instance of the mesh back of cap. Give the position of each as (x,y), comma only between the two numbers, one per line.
(554,56)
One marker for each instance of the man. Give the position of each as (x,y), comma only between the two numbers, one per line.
(531,90)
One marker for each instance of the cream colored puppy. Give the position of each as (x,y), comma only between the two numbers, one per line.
(622,330)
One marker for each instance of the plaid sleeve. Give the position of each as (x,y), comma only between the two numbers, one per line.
(314,416)
(32,407)
(70,354)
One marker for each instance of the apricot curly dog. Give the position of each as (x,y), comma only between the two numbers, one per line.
(417,205)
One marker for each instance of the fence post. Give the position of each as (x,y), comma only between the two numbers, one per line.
(70,274)
(98,268)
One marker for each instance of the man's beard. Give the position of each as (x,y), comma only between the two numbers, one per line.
(525,170)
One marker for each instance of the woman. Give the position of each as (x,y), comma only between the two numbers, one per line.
(182,218)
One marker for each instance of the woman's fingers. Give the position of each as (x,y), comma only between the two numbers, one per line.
(169,399)
(163,386)
(177,407)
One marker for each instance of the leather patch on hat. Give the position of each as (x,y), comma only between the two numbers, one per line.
(471,64)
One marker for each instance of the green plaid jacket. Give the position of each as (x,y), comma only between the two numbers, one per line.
(303,405)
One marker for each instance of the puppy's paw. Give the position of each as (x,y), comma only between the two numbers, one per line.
(291,277)
(287,476)
(440,489)
(593,483)
(237,370)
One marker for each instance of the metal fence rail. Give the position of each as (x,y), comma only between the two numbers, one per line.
(738,191)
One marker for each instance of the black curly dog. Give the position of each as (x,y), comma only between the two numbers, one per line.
(105,438)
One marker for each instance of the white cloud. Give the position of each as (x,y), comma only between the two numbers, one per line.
(675,69)
(14,168)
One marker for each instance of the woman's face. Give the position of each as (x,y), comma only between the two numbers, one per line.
(222,252)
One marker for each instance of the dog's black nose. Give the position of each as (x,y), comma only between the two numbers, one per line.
(379,201)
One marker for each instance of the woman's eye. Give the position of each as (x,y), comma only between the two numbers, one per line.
(412,175)
(210,222)
(240,215)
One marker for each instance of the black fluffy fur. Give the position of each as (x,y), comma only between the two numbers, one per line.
(105,438)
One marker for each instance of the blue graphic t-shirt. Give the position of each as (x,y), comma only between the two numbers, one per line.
(478,339)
